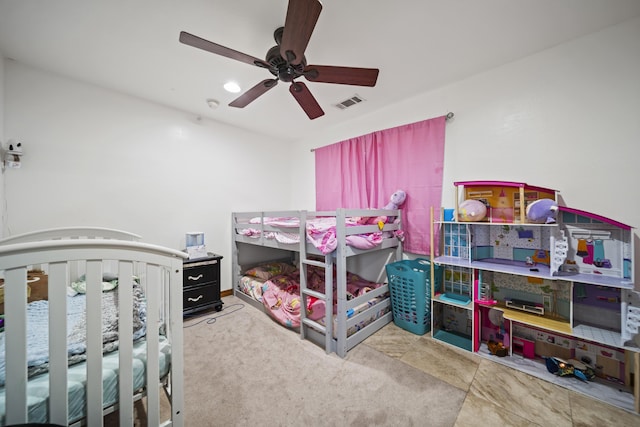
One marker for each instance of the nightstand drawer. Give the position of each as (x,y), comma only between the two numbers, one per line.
(201,284)
(195,297)
(198,274)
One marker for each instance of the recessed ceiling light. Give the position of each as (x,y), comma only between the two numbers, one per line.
(232,87)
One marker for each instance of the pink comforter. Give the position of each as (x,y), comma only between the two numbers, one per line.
(281,295)
(321,232)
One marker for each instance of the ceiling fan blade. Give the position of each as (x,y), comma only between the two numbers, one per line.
(341,75)
(306,100)
(200,43)
(301,19)
(249,96)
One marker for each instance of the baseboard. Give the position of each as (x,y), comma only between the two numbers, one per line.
(226,293)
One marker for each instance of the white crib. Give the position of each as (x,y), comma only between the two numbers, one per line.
(63,254)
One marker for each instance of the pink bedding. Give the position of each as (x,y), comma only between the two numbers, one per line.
(281,297)
(321,232)
(252,286)
(281,293)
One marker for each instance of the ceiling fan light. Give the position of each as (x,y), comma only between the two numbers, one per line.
(232,87)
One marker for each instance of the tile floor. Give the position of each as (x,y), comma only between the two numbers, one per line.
(497,394)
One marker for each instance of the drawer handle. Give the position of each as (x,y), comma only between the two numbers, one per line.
(195,299)
(199,276)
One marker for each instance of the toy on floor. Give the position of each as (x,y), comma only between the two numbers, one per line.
(497,348)
(542,211)
(472,210)
(572,367)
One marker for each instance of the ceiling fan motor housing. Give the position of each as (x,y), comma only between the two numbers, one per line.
(281,68)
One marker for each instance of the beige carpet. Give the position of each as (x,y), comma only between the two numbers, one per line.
(246,370)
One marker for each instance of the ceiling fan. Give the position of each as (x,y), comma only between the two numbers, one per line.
(286,60)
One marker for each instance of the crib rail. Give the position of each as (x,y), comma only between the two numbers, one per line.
(88,232)
(160,271)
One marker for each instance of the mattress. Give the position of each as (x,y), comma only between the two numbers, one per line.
(38,386)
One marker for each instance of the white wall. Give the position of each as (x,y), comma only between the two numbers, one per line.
(566,118)
(96,157)
(2,205)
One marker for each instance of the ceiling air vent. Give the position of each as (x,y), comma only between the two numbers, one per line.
(355,99)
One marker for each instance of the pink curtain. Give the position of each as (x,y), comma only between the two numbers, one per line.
(363,172)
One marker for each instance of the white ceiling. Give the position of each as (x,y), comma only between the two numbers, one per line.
(418,45)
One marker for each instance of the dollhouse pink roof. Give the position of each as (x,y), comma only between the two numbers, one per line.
(503,184)
(594,216)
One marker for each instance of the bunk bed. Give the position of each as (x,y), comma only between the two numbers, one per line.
(106,333)
(347,248)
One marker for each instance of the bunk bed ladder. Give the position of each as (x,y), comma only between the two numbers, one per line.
(307,295)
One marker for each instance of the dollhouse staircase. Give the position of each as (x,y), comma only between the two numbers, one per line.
(559,245)
(632,323)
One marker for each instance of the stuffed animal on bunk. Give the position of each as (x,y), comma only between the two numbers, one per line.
(395,201)
(542,211)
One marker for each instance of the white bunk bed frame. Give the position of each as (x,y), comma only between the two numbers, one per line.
(250,251)
(96,249)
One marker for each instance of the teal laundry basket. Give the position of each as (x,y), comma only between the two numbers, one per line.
(410,289)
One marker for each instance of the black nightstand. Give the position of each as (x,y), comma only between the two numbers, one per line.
(201,284)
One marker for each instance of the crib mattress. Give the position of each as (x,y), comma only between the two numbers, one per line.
(38,386)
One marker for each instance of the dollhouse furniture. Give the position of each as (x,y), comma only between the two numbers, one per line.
(561,289)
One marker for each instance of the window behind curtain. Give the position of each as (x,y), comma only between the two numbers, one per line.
(363,172)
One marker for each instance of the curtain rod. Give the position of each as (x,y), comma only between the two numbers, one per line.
(447,117)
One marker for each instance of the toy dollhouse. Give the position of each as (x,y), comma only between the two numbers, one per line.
(526,279)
